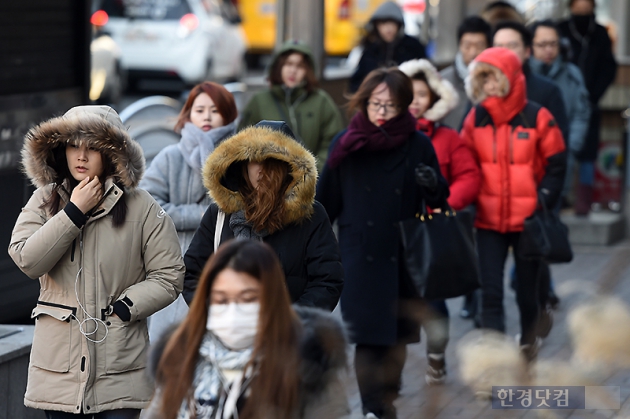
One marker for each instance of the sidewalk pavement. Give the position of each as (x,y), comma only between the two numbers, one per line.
(593,270)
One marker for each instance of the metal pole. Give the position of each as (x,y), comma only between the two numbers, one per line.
(450,13)
(305,21)
(281,22)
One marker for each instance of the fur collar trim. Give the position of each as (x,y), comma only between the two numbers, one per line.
(257,144)
(100,127)
(448,97)
(475,80)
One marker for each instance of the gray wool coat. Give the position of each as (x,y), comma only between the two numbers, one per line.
(179,189)
(570,81)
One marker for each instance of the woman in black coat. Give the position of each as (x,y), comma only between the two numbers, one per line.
(592,52)
(378,172)
(263,182)
(386,43)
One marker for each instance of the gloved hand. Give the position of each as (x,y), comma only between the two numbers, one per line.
(425,176)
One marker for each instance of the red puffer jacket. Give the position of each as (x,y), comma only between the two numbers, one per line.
(457,163)
(517,144)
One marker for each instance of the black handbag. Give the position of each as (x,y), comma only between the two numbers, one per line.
(545,237)
(439,254)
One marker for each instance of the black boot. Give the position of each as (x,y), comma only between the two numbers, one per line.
(469,308)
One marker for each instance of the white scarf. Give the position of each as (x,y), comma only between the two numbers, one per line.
(212,395)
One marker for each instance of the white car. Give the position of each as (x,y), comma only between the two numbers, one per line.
(186,39)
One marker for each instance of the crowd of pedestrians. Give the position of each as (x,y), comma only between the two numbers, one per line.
(205,289)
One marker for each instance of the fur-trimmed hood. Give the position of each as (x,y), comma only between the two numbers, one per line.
(508,69)
(100,127)
(448,97)
(258,143)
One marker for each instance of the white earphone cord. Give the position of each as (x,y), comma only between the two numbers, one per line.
(88,316)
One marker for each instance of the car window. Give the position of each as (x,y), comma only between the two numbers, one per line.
(146,9)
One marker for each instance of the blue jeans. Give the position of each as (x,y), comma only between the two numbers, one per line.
(587,173)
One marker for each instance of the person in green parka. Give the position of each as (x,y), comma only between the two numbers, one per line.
(293,97)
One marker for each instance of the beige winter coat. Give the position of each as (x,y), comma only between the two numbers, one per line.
(83,271)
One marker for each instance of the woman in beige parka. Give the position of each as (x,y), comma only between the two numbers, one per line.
(106,255)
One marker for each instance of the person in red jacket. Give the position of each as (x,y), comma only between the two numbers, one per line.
(522,156)
(433,98)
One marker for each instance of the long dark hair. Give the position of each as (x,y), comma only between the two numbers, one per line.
(57,159)
(275,387)
(264,207)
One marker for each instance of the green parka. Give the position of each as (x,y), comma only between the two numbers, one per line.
(313,116)
(78,364)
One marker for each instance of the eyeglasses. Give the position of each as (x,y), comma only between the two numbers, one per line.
(548,44)
(388,107)
(244,307)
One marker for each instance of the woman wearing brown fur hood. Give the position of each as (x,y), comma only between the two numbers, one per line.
(262,182)
(107,257)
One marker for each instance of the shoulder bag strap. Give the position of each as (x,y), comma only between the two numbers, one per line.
(218,229)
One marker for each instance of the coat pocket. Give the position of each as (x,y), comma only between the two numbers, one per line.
(52,340)
(126,345)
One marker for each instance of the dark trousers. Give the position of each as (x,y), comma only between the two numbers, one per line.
(109,414)
(379,373)
(493,247)
(436,326)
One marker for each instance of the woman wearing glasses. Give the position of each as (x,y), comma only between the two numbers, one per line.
(379,171)
(244,352)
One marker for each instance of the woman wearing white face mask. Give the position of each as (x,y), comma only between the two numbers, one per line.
(244,352)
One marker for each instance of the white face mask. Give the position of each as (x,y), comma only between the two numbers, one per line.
(234,324)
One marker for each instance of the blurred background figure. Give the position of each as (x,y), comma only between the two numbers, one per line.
(523,157)
(550,60)
(262,182)
(379,171)
(517,38)
(244,352)
(543,91)
(293,97)
(473,36)
(592,53)
(174,176)
(500,11)
(385,43)
(433,98)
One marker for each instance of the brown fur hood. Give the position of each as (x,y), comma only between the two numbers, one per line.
(257,144)
(100,126)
